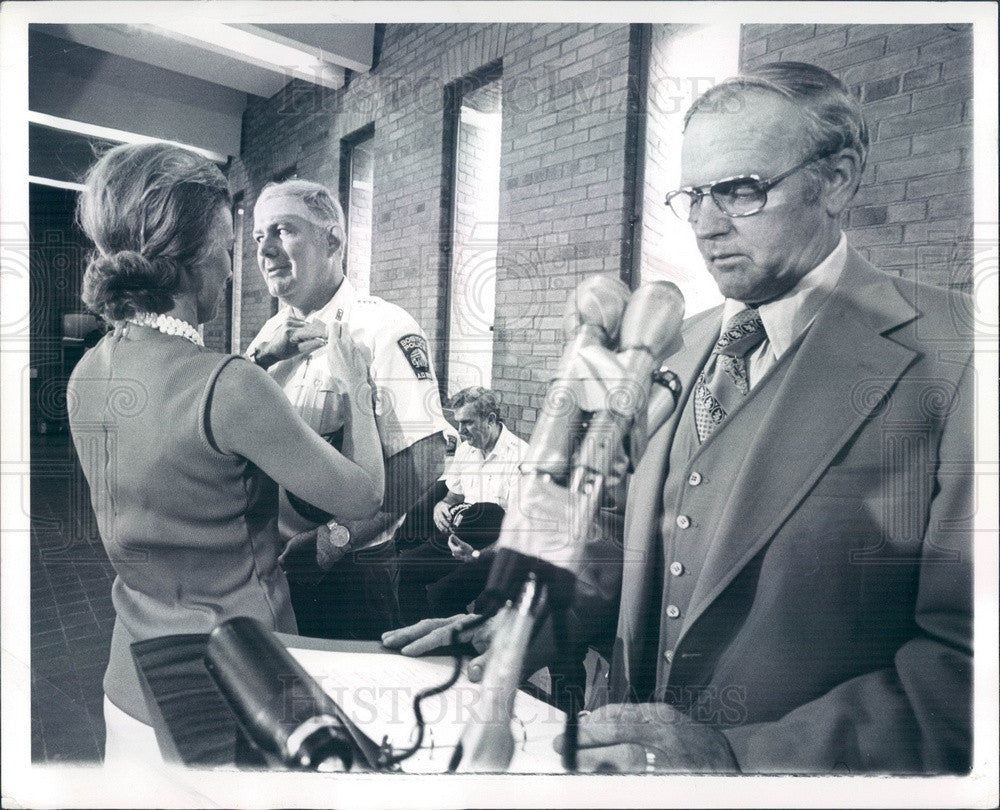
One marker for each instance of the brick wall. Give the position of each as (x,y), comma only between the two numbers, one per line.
(565,171)
(913,212)
(561,183)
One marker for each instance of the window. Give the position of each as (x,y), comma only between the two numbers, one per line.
(474,109)
(357,178)
(684,61)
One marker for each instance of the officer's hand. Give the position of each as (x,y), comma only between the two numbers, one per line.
(460,550)
(298,558)
(297,544)
(636,737)
(295,336)
(442,516)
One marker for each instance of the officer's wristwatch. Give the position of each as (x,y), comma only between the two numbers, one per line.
(339,543)
(340,536)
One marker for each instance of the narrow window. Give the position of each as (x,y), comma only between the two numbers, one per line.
(475,127)
(357,181)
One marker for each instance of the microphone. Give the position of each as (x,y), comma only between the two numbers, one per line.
(280,707)
(650,325)
(593,318)
(546,525)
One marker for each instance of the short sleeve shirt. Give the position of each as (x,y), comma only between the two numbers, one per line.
(407,402)
(487,478)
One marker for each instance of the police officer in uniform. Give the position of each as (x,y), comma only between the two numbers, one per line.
(342,576)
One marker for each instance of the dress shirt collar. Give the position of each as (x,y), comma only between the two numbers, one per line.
(787,317)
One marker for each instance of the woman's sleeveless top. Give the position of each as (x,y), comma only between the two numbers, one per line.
(191,531)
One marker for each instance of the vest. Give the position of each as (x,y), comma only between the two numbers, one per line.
(695,486)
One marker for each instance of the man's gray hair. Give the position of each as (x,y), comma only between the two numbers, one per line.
(833,115)
(316,197)
(483,401)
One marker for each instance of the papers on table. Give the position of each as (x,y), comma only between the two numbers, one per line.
(376,691)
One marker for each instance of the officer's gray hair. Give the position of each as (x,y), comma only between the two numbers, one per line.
(832,114)
(316,198)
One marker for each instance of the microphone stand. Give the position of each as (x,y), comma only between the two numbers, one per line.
(487,744)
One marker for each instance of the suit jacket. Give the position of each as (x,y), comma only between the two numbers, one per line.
(830,627)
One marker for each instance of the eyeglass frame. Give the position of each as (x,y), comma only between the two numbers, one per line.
(766,186)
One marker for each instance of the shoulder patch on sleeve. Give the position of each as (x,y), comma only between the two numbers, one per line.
(415,349)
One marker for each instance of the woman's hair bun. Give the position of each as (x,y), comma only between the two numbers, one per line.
(150,209)
(118,285)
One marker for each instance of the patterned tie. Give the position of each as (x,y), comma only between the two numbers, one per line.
(723,382)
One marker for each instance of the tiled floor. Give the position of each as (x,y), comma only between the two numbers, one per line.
(71,612)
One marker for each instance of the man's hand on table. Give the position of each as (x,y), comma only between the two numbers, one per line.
(428,635)
(639,737)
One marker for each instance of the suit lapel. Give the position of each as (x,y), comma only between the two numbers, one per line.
(843,355)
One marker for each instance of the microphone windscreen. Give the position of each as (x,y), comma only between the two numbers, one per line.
(653,318)
(598,301)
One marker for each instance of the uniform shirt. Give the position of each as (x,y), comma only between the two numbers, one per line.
(788,317)
(487,478)
(407,404)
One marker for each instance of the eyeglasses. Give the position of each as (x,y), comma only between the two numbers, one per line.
(739,196)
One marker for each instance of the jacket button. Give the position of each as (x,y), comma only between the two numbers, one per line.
(694,479)
(683,521)
(676,568)
(673,611)
(669,656)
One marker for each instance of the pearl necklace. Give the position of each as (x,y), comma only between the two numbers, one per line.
(169,325)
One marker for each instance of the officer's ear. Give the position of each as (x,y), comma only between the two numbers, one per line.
(334,239)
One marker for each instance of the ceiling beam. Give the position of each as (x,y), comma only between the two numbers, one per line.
(111,134)
(75,83)
(152,47)
(351,45)
(242,43)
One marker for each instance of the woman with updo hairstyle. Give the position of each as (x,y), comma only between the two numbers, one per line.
(184,447)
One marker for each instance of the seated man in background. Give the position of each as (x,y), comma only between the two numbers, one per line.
(447,571)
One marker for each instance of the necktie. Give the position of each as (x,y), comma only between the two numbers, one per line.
(723,382)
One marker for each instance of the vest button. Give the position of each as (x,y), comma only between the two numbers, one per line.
(676,568)
(673,611)
(694,479)
(669,656)
(683,521)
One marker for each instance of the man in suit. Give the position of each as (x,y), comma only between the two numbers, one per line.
(796,563)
